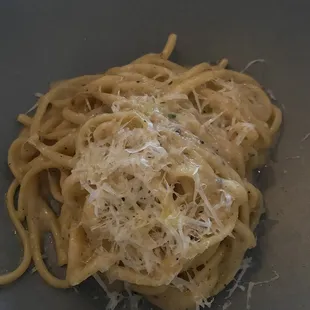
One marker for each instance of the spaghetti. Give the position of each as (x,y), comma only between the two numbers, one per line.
(149,163)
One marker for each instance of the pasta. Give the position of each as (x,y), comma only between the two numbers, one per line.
(150,164)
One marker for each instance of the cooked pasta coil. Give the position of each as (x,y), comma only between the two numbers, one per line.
(149,164)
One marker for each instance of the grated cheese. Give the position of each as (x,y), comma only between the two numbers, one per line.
(251,63)
(33,270)
(271,94)
(246,264)
(38,95)
(305,137)
(76,290)
(226,305)
(252,284)
(126,171)
(292,157)
(134,299)
(32,108)
(190,285)
(135,203)
(114,297)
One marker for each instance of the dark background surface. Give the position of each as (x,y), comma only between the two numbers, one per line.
(44,41)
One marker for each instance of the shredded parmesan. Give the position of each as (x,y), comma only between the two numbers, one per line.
(246,264)
(127,176)
(198,296)
(33,270)
(305,137)
(271,94)
(76,290)
(252,284)
(134,299)
(38,95)
(293,157)
(32,108)
(114,297)
(226,305)
(251,63)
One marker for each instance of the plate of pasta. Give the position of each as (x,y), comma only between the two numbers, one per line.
(144,176)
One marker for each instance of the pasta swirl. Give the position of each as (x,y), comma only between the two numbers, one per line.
(148,163)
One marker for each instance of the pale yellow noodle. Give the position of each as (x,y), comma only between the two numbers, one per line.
(169,47)
(24,119)
(55,188)
(23,234)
